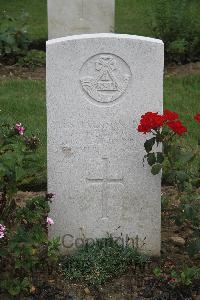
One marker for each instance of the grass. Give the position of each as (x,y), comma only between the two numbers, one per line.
(135,16)
(182,94)
(37,10)
(132,16)
(97,262)
(24,101)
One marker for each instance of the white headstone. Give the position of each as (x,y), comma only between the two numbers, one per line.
(68,17)
(98,86)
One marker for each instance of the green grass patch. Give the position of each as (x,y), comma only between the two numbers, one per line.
(24,101)
(100,261)
(182,94)
(37,10)
(135,16)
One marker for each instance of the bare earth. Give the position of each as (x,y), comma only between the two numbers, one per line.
(17,72)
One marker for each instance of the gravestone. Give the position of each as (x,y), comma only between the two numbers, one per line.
(98,86)
(68,17)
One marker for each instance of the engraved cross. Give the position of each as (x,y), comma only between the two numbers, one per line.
(105,181)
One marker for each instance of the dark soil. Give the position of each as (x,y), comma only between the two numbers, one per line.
(136,284)
(38,44)
(17,72)
(183,70)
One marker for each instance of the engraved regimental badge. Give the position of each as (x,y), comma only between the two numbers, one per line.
(105,77)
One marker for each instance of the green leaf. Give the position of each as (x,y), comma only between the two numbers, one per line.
(178,46)
(157,272)
(7,50)
(2,170)
(194,247)
(25,283)
(165,201)
(148,145)
(175,152)
(160,157)
(10,40)
(187,157)
(3,252)
(182,176)
(14,290)
(156,169)
(173,274)
(166,147)
(151,158)
(189,211)
(170,176)
(20,173)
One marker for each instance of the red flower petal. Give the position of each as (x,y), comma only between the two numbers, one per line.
(170,115)
(197,117)
(149,121)
(177,127)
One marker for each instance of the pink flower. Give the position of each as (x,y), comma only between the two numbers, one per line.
(173,280)
(19,128)
(50,221)
(2,231)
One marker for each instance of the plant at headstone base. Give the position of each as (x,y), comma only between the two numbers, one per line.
(14,40)
(101,260)
(24,245)
(165,202)
(180,32)
(176,162)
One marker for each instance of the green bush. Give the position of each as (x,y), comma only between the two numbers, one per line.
(180,33)
(24,245)
(14,40)
(32,59)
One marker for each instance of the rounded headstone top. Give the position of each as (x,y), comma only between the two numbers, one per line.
(104,35)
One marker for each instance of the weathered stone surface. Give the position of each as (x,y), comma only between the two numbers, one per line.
(68,17)
(98,86)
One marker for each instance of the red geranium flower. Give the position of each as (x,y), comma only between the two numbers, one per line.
(177,127)
(197,117)
(149,121)
(170,115)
